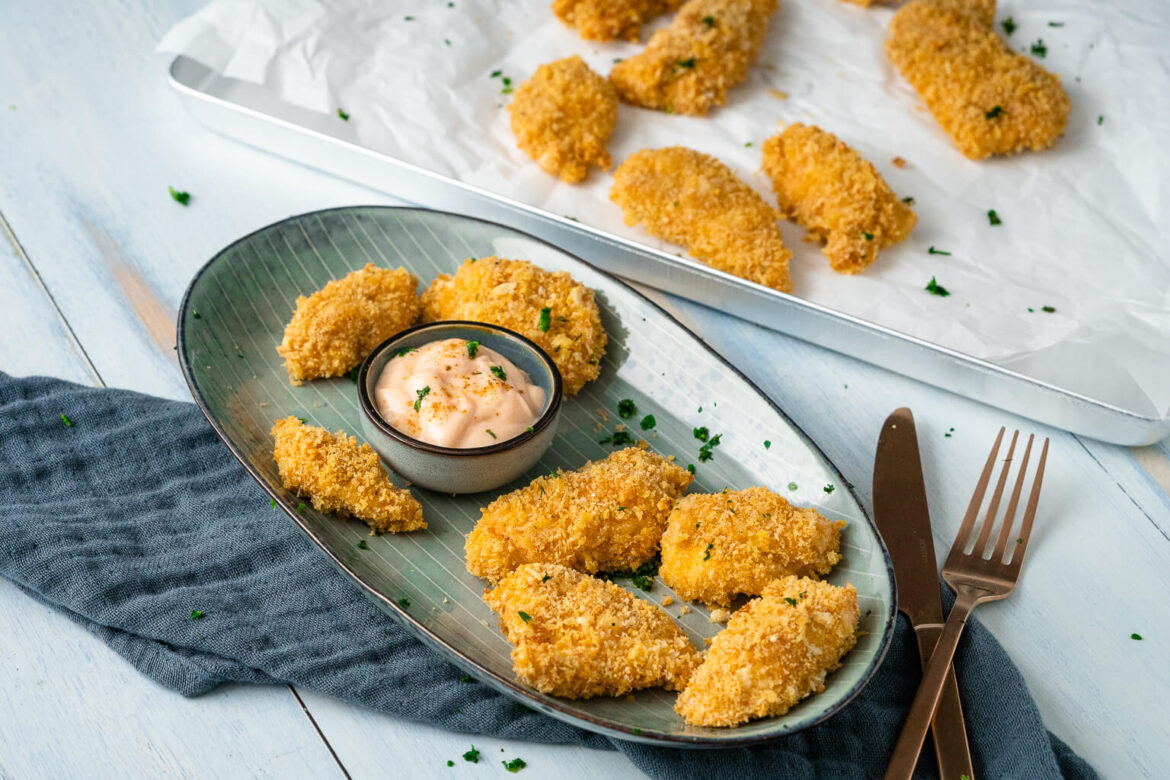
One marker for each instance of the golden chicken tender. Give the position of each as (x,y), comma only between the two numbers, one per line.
(342,478)
(988,99)
(689,66)
(775,651)
(719,545)
(606,20)
(606,516)
(579,637)
(838,196)
(334,329)
(563,117)
(693,199)
(513,294)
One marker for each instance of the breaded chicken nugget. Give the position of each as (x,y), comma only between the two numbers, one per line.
(718,545)
(512,294)
(836,194)
(605,20)
(988,98)
(692,199)
(563,116)
(341,477)
(775,651)
(689,66)
(578,637)
(606,516)
(336,327)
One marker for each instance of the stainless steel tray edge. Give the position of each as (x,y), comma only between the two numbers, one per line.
(944,368)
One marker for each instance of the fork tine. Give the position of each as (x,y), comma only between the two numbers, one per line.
(976,500)
(1029,515)
(1009,516)
(993,508)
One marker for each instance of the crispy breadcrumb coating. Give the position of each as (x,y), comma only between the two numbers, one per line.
(718,545)
(689,66)
(606,20)
(836,194)
(606,516)
(693,199)
(342,478)
(336,327)
(578,637)
(511,294)
(563,116)
(775,651)
(988,98)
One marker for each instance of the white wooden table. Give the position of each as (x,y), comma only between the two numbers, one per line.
(94,261)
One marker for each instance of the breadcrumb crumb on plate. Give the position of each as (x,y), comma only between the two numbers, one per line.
(563,117)
(836,194)
(512,294)
(775,651)
(607,20)
(987,98)
(578,637)
(342,478)
(693,199)
(333,330)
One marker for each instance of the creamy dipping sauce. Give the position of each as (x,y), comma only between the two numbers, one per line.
(457,393)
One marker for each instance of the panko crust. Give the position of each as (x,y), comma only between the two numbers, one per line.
(334,329)
(719,545)
(607,20)
(690,65)
(987,98)
(563,117)
(693,199)
(340,477)
(775,651)
(511,294)
(585,637)
(606,516)
(837,195)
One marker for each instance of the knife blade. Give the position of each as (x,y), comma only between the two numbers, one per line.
(903,518)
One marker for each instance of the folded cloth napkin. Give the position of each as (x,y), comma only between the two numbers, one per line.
(126,513)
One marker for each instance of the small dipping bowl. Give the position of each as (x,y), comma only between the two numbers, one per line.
(453,469)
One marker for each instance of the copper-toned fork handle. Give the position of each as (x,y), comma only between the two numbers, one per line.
(947,728)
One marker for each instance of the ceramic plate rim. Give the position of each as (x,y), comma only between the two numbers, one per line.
(507,686)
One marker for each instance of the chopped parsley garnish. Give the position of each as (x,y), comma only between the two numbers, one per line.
(405,351)
(993,218)
(67,421)
(491,433)
(648,422)
(507,90)
(687,63)
(524,615)
(472,755)
(618,438)
(404,603)
(867,236)
(707,552)
(709,21)
(515,765)
(352,374)
(1056,24)
(791,601)
(196,614)
(792,486)
(802,594)
(545,578)
(691,468)
(642,577)
(933,251)
(626,408)
(702,433)
(450,763)
(180,197)
(497,73)
(362,545)
(465,677)
(545,319)
(472,348)
(303,420)
(1135,636)
(342,115)
(748,144)
(499,373)
(1039,49)
(1049,309)
(272,502)
(830,488)
(1009,26)
(908,200)
(300,507)
(195,313)
(705,452)
(934,288)
(993,113)
(1100,119)
(419,395)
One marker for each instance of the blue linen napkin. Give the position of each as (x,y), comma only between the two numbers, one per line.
(126,513)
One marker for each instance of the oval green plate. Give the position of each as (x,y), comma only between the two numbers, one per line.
(233,316)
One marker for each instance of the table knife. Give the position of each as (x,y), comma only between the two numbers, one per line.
(899,505)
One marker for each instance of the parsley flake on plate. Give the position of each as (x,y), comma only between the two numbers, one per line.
(866,235)
(626,408)
(545,319)
(1049,309)
(648,422)
(300,507)
(272,502)
(67,421)
(993,218)
(196,614)
(471,755)
(934,288)
(830,488)
(791,601)
(1009,26)
(524,615)
(767,444)
(404,603)
(363,545)
(515,765)
(1039,49)
(180,197)
(792,486)
(933,251)
(702,434)
(707,552)
(618,439)
(908,200)
(499,373)
(1135,636)
(469,679)
(420,395)
(472,348)
(994,112)
(687,63)
(709,21)
(342,115)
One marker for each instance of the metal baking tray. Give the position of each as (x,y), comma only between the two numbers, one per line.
(251,114)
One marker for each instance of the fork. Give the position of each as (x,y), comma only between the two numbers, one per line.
(975,577)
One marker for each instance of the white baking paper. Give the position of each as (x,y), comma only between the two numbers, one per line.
(1084,224)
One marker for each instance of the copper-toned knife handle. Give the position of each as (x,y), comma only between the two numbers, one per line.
(948,729)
